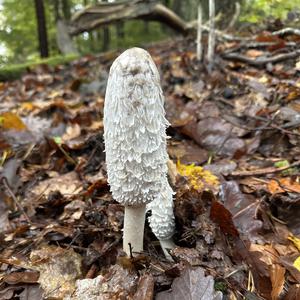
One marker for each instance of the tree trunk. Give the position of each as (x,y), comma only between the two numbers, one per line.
(66,9)
(106,38)
(63,39)
(41,28)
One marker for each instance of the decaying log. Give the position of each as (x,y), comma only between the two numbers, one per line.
(107,13)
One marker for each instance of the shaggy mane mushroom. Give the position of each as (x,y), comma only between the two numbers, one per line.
(135,144)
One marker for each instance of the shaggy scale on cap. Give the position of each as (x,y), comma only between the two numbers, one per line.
(135,145)
(135,129)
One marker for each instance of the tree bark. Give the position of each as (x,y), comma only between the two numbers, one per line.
(41,28)
(66,9)
(63,39)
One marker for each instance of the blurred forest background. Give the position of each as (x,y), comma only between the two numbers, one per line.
(19,30)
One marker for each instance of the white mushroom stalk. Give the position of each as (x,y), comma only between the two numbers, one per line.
(135,139)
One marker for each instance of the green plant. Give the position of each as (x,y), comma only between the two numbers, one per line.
(13,71)
(256,10)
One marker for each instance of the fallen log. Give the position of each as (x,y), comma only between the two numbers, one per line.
(103,13)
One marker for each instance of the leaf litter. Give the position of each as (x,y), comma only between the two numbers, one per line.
(234,164)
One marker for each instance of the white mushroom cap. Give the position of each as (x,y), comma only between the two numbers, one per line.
(135,129)
(162,218)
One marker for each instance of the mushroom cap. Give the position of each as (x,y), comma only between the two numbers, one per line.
(162,218)
(135,129)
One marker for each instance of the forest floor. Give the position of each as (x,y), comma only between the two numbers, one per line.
(235,158)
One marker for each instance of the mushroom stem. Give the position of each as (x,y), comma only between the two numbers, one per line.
(166,245)
(134,223)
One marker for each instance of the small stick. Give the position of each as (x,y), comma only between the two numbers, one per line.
(212,35)
(235,16)
(285,31)
(199,34)
(261,61)
(264,171)
(6,185)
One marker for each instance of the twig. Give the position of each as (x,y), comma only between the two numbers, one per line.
(287,30)
(235,16)
(6,185)
(264,171)
(199,34)
(211,36)
(256,45)
(219,34)
(261,61)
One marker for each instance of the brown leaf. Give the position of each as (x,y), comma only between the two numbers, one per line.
(293,292)
(21,277)
(145,288)
(277,278)
(59,268)
(222,216)
(243,209)
(282,185)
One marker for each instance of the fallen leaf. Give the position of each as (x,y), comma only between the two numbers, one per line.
(243,208)
(296,263)
(253,53)
(277,278)
(145,288)
(67,184)
(9,120)
(222,216)
(21,277)
(191,285)
(293,292)
(282,185)
(295,240)
(117,283)
(59,268)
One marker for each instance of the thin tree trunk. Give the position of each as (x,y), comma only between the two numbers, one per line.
(66,9)
(41,28)
(106,38)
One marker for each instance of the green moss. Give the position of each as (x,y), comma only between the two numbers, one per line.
(14,71)
(220,286)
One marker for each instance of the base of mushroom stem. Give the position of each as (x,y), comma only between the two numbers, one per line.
(166,246)
(133,232)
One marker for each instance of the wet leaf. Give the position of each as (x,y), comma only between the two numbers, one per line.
(243,209)
(222,216)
